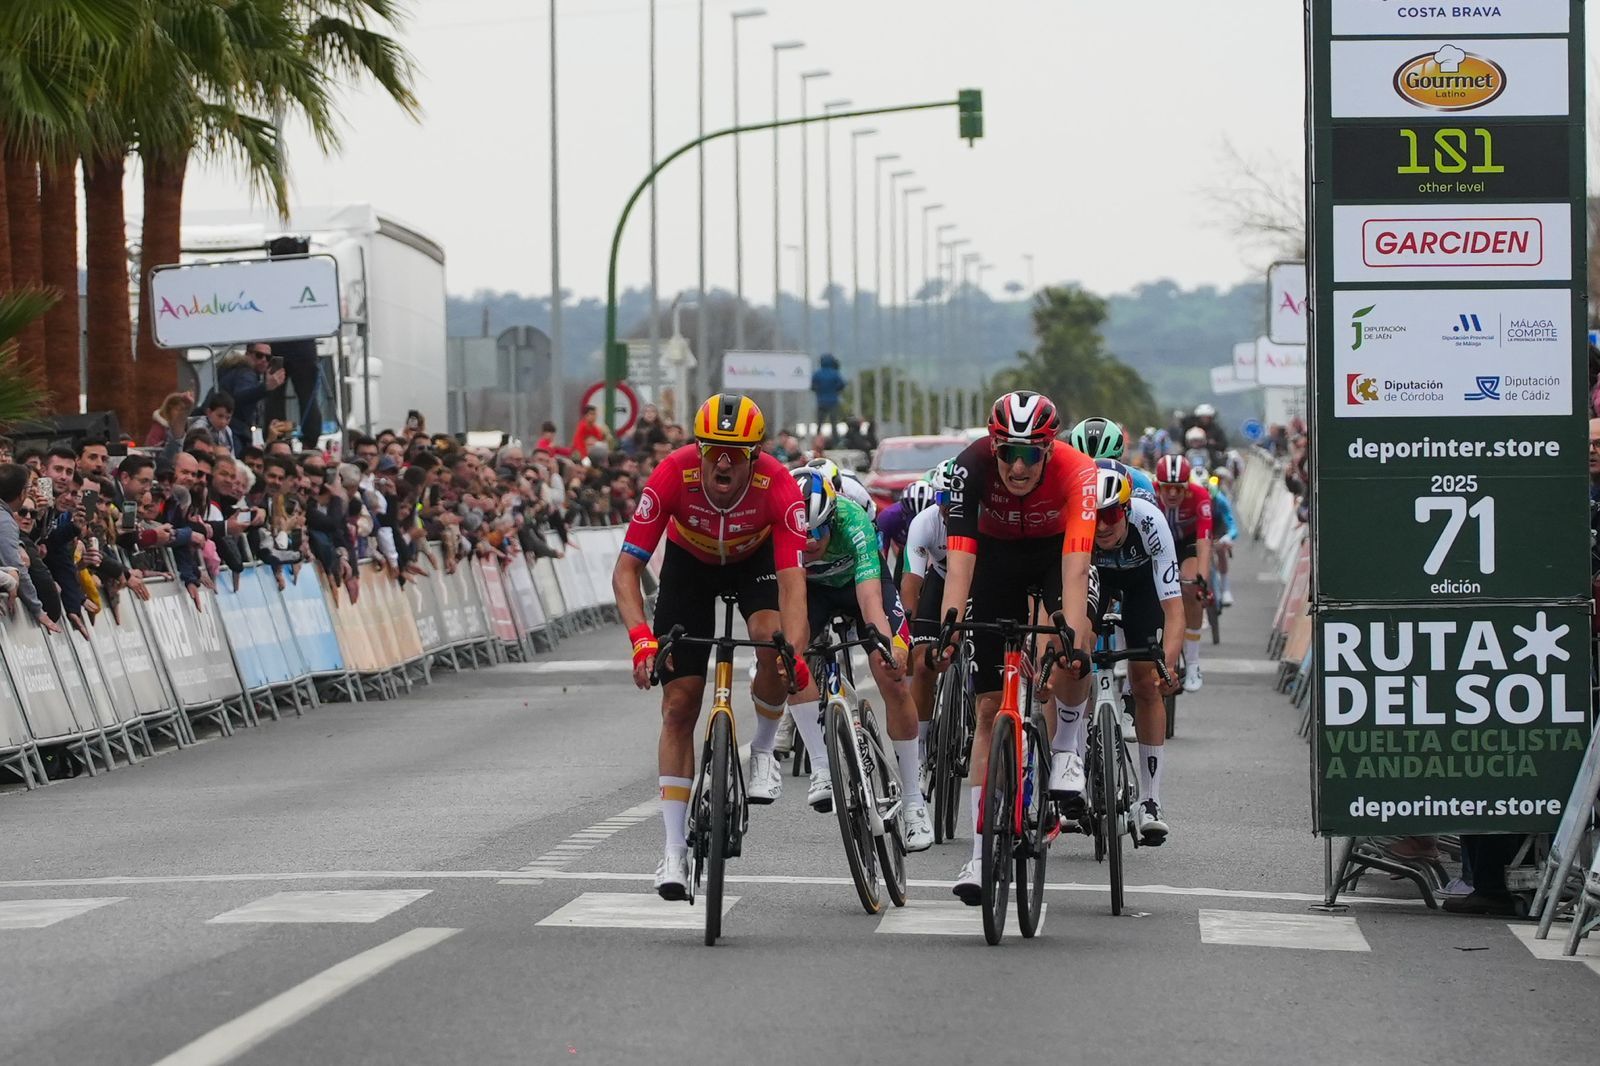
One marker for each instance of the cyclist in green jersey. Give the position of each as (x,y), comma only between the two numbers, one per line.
(844,576)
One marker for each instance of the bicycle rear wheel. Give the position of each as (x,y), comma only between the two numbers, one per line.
(999,843)
(719,796)
(849,803)
(892,844)
(946,790)
(1111,799)
(1034,848)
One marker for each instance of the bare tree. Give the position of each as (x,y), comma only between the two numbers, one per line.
(1262,204)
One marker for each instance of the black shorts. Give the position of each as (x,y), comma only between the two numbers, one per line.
(1188,548)
(1134,593)
(1005,571)
(826,602)
(927,622)
(689,597)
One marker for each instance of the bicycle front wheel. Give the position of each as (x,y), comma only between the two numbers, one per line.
(1037,816)
(720,797)
(850,798)
(1112,805)
(892,844)
(999,838)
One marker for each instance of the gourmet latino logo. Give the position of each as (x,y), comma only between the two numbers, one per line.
(1452,242)
(1450,79)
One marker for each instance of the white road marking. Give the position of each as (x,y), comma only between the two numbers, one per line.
(632,910)
(586,840)
(39,913)
(1252,667)
(328,906)
(1264,930)
(1552,947)
(232,1039)
(937,917)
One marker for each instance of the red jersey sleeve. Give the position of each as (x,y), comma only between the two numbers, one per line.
(1082,505)
(1202,508)
(787,513)
(650,514)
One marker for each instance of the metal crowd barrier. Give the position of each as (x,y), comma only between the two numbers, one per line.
(153,672)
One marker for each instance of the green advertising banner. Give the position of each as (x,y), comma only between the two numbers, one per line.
(1449,374)
(1450,720)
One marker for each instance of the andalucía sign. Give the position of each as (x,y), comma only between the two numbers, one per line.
(214,305)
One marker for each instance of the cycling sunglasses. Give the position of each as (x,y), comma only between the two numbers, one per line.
(733,452)
(1110,516)
(1028,454)
(819,533)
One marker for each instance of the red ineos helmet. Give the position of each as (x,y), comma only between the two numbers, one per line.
(1173,470)
(1023,417)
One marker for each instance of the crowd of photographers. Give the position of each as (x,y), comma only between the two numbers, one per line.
(82,525)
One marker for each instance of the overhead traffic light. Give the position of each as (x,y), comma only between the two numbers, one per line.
(970,104)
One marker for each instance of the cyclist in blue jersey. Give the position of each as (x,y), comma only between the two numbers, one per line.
(1224,529)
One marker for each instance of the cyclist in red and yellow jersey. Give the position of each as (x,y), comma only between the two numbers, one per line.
(1022,514)
(733,520)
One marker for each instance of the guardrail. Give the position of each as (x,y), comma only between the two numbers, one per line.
(153,671)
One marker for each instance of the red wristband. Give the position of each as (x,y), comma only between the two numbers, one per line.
(644,642)
(802,675)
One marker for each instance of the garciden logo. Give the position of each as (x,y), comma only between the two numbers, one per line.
(1449,80)
(1452,242)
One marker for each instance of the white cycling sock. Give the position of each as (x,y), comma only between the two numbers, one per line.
(810,730)
(1072,726)
(1222,582)
(768,719)
(922,731)
(905,753)
(1191,647)
(977,822)
(1151,762)
(675,809)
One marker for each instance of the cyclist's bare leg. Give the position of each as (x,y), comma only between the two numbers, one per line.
(1150,725)
(988,707)
(1193,612)
(768,691)
(900,713)
(1069,726)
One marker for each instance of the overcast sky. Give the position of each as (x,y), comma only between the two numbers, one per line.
(1106,123)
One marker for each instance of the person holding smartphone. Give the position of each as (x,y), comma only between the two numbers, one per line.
(249,377)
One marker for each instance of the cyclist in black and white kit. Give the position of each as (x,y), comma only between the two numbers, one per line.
(1137,568)
(922,587)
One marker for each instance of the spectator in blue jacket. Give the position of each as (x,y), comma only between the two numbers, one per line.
(248,378)
(828,385)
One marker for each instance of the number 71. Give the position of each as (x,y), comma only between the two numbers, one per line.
(1456,514)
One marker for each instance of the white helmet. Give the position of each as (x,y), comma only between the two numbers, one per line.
(828,468)
(817,493)
(1205,410)
(917,496)
(1194,437)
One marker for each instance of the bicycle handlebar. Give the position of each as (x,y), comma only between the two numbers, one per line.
(1151,654)
(1009,630)
(870,639)
(676,635)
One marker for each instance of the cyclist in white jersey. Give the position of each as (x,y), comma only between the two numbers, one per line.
(922,587)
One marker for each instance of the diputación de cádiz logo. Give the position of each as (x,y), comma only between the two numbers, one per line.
(1450,79)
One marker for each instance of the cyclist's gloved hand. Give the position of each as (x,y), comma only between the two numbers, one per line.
(801,679)
(645,647)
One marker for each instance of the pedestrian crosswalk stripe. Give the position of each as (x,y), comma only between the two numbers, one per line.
(331,906)
(1267,930)
(1552,948)
(39,913)
(938,917)
(632,910)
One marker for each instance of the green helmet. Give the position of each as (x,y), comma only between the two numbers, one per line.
(1098,438)
(942,476)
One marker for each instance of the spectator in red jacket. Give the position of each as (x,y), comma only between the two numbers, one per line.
(589,431)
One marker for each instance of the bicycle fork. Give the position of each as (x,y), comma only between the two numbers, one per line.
(861,755)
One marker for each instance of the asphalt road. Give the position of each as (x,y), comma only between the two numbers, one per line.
(462,876)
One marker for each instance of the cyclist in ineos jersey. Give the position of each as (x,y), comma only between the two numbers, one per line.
(1188,509)
(1138,570)
(733,519)
(1022,512)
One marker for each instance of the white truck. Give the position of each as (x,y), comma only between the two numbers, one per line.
(390,355)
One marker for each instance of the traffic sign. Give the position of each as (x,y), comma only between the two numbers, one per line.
(1252,430)
(627,402)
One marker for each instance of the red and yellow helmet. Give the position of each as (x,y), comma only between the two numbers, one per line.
(729,419)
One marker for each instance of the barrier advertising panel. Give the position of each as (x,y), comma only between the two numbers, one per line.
(1448,373)
(311,623)
(190,643)
(44,704)
(139,664)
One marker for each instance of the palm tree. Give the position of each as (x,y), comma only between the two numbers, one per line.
(260,56)
(21,398)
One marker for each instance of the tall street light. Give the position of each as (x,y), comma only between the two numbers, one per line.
(828,108)
(655,259)
(777,172)
(558,369)
(902,312)
(703,367)
(1027,257)
(702,309)
(855,255)
(877,281)
(806,77)
(927,331)
(894,287)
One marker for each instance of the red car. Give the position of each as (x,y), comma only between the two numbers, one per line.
(901,460)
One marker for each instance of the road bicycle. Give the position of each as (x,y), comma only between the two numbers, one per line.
(1108,768)
(866,780)
(955,721)
(1019,822)
(719,811)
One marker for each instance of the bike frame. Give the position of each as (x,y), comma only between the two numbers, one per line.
(840,694)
